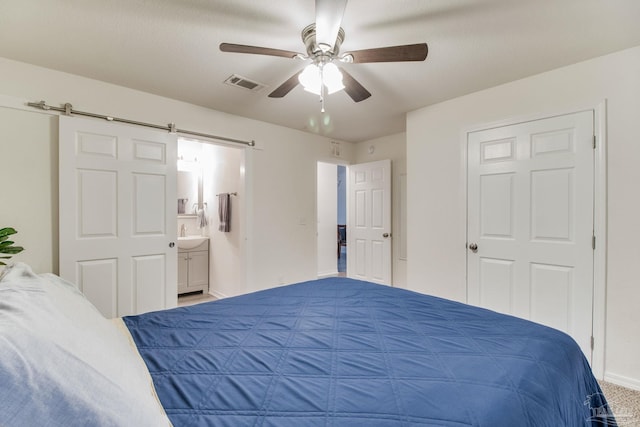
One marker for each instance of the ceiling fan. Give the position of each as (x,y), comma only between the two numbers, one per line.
(322,41)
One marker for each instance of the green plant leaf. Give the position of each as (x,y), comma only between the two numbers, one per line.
(11,250)
(7,231)
(7,246)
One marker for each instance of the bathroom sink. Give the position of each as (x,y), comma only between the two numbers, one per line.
(190,242)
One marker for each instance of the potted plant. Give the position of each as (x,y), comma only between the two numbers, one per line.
(7,247)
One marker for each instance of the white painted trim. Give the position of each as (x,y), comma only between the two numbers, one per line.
(509,121)
(325,275)
(401,208)
(623,381)
(600,231)
(218,295)
(464,199)
(247,250)
(600,216)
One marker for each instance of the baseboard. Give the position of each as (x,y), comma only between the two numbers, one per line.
(622,381)
(325,274)
(217,294)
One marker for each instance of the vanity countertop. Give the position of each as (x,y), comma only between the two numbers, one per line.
(190,242)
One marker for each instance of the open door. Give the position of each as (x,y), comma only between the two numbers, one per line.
(369,222)
(118,213)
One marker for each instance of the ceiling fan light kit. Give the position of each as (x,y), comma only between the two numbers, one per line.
(315,76)
(322,41)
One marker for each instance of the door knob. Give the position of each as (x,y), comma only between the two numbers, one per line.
(171,244)
(385,235)
(473,247)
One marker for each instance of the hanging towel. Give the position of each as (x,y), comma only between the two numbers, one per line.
(202,220)
(224,212)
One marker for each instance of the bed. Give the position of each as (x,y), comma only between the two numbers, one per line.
(329,352)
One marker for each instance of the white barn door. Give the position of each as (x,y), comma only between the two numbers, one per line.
(369,222)
(530,222)
(118,214)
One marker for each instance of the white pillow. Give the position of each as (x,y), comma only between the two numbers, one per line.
(63,363)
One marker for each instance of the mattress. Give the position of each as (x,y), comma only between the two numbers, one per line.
(342,352)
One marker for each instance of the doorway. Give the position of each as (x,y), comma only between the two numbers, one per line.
(219,168)
(342,234)
(368,220)
(332,219)
(328,208)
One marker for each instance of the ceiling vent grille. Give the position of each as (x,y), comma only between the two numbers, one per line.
(244,83)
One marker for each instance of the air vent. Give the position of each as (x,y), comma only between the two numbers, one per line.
(244,83)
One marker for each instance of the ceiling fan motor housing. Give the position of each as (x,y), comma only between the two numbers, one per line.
(315,51)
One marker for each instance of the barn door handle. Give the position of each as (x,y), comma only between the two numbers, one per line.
(473,247)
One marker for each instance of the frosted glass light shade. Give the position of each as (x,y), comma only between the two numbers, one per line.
(311,79)
(332,78)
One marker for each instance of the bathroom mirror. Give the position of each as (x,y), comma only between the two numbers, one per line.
(189,192)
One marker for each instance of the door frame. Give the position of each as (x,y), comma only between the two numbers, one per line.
(244,206)
(337,162)
(599,111)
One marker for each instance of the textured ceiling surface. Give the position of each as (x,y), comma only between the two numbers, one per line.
(170,48)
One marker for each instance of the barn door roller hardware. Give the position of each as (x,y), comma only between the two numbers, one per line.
(68,110)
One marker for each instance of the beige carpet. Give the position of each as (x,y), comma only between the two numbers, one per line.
(624,403)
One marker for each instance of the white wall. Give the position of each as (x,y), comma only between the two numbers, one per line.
(223,174)
(435,167)
(280,171)
(284,193)
(29,182)
(392,147)
(327,206)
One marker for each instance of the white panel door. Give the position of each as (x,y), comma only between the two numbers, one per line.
(530,214)
(369,222)
(118,214)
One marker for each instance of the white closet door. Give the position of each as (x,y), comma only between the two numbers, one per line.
(530,213)
(118,213)
(369,222)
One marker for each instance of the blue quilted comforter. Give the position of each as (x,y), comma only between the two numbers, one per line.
(340,352)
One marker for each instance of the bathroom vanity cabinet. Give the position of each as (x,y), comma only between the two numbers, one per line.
(193,269)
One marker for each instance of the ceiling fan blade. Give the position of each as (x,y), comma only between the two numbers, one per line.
(407,52)
(286,87)
(329,15)
(241,48)
(354,89)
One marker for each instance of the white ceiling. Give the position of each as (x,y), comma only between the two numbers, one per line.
(170,48)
